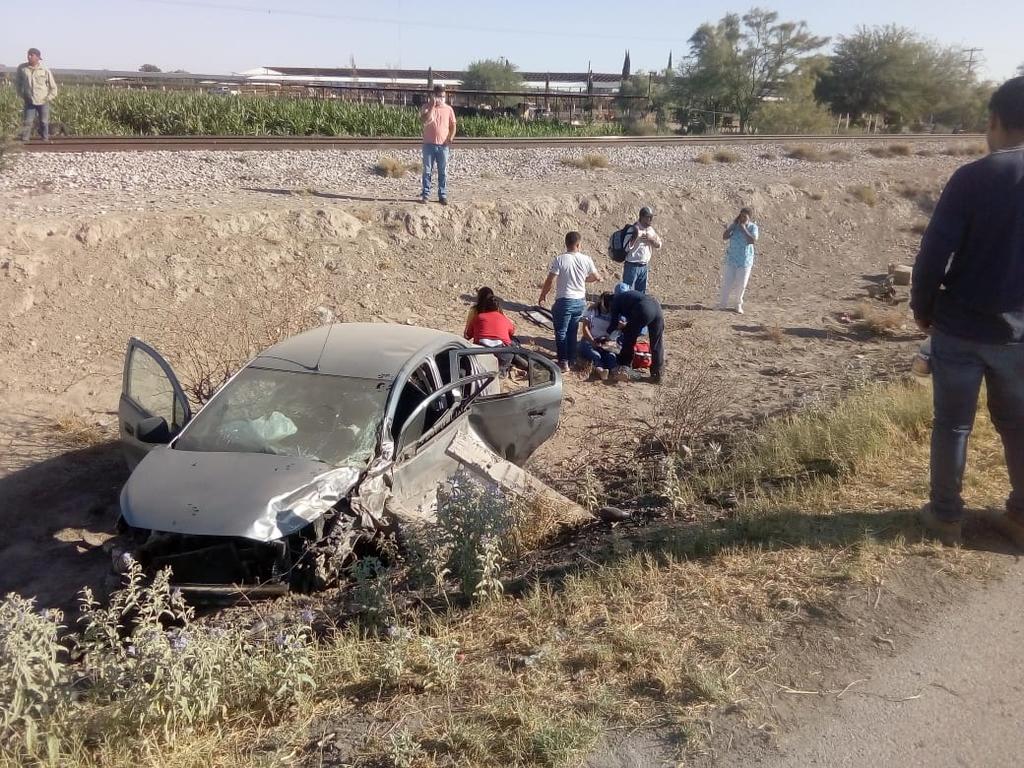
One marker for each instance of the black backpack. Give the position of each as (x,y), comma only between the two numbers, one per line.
(617,243)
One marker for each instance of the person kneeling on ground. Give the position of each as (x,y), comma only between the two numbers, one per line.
(639,310)
(598,326)
(491,328)
(739,258)
(482,295)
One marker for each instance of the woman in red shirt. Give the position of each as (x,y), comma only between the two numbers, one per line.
(491,328)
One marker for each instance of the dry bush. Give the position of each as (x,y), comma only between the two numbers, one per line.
(965,150)
(840,156)
(806,153)
(704,159)
(773,332)
(588,162)
(878,321)
(726,156)
(75,431)
(878,151)
(900,150)
(865,194)
(392,168)
(766,156)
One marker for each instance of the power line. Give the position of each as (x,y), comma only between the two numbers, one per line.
(271,11)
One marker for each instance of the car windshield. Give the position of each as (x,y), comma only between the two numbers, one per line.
(332,419)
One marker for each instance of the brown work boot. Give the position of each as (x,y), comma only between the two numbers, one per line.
(948,533)
(1010,526)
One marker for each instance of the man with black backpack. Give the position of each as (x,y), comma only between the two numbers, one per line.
(635,244)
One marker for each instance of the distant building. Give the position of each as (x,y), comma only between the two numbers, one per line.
(564,82)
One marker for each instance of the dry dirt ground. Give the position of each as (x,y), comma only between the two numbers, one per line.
(75,287)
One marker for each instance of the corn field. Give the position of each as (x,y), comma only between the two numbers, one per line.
(84,111)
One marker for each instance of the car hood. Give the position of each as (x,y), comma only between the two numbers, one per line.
(252,495)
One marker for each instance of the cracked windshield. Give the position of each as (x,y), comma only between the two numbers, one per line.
(325,418)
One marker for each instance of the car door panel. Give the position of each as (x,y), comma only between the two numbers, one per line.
(148,388)
(517,423)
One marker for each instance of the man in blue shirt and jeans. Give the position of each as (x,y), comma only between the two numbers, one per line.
(968,293)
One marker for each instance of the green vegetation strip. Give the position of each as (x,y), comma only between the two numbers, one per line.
(84,111)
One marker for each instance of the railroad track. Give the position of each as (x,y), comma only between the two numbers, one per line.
(272,143)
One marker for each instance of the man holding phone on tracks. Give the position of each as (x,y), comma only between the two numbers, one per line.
(439,127)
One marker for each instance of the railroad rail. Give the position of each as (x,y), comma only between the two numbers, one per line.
(274,143)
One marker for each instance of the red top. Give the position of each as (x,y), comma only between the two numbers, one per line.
(493,325)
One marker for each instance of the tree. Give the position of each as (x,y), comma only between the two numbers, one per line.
(893,72)
(149,68)
(797,111)
(739,61)
(1020,70)
(625,67)
(492,75)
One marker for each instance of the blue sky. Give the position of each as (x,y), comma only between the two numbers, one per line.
(222,36)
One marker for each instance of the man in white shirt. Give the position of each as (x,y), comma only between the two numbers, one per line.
(572,270)
(638,252)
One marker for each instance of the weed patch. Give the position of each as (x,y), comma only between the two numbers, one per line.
(587,162)
(392,168)
(864,194)
(727,156)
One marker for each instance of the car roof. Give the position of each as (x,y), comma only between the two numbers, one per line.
(360,350)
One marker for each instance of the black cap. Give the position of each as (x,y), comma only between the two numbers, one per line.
(35,51)
(646,211)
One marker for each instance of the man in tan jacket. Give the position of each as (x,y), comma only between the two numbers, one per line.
(37,89)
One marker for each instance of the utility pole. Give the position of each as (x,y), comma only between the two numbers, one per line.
(970,59)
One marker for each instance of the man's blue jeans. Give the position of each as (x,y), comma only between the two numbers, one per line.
(635,276)
(958,368)
(435,153)
(566,314)
(29,117)
(601,358)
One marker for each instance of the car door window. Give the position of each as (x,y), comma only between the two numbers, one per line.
(148,385)
(418,387)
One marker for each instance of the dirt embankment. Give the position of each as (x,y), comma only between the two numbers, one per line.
(74,289)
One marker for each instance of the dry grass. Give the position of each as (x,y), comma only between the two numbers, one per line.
(392,168)
(77,432)
(864,194)
(811,154)
(727,156)
(891,150)
(965,150)
(704,159)
(918,227)
(877,320)
(661,625)
(773,332)
(588,162)
(817,196)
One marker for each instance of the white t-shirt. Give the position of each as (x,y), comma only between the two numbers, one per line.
(640,252)
(572,269)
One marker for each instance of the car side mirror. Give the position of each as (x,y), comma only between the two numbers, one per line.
(153,430)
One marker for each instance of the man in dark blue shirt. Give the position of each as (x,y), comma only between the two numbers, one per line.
(639,310)
(968,293)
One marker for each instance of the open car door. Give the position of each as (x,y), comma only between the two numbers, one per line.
(516,423)
(153,407)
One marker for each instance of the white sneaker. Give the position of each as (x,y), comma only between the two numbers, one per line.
(602,373)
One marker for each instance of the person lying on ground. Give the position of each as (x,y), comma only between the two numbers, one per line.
(597,346)
(639,310)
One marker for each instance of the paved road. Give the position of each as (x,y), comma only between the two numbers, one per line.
(968,673)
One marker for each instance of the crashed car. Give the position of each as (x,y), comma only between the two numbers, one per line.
(320,442)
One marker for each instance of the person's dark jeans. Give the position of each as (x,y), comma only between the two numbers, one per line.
(566,314)
(597,356)
(958,368)
(647,312)
(29,114)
